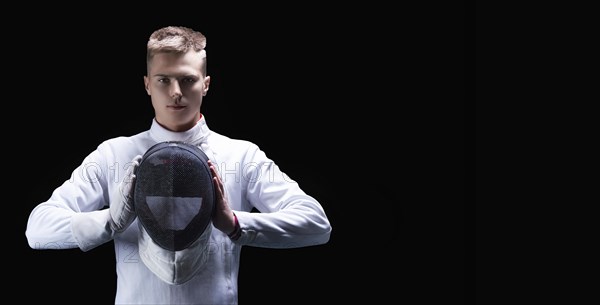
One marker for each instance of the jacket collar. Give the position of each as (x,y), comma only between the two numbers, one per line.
(195,135)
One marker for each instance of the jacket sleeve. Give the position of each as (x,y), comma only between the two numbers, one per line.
(289,217)
(73,216)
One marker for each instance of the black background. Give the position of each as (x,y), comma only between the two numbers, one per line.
(536,154)
(363,106)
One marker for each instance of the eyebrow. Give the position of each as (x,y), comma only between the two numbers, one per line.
(179,76)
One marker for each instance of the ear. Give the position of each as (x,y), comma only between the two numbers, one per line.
(147,84)
(206,85)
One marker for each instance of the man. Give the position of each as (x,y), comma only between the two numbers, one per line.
(244,178)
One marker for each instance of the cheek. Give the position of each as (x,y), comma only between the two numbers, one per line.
(159,92)
(198,87)
(194,93)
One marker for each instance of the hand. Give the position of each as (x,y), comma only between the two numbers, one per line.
(223,218)
(122,211)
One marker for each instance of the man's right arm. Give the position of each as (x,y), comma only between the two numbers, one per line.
(73,216)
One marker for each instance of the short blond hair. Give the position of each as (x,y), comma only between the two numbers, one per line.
(176,39)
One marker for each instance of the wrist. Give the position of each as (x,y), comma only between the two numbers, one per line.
(237,230)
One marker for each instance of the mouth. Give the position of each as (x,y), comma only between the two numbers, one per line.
(176,107)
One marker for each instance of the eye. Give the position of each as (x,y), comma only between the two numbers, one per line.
(188,80)
(163,80)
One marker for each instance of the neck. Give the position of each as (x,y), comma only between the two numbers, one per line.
(180,127)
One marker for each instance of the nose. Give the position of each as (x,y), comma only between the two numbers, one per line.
(175,91)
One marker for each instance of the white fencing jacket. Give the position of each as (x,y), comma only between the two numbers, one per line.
(75,215)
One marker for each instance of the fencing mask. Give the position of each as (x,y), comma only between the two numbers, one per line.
(174,198)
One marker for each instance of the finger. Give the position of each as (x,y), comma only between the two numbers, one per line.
(136,161)
(213,170)
(219,188)
(212,167)
(217,180)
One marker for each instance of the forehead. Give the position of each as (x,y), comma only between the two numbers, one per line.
(168,63)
